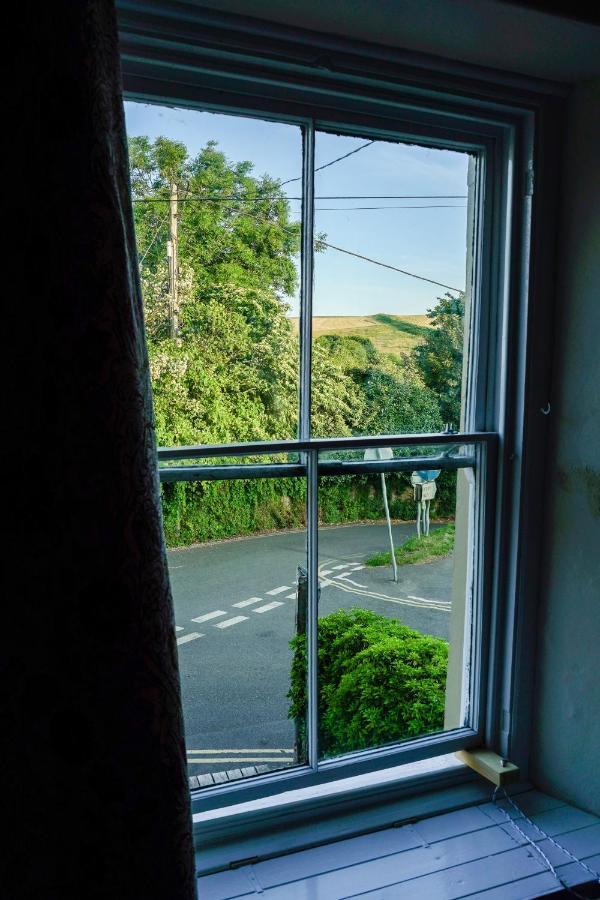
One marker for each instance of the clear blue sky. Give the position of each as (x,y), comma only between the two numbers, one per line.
(429,242)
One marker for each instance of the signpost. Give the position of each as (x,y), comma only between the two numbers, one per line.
(385,453)
(424,487)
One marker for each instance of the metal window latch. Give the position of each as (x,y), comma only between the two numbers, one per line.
(545,410)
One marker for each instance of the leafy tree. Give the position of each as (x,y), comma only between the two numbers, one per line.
(439,359)
(232,372)
(397,403)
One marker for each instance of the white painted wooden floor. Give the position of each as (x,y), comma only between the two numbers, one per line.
(473,852)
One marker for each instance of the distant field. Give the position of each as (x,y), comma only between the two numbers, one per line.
(389,334)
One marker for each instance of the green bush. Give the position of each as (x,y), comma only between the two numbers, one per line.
(202,511)
(378,681)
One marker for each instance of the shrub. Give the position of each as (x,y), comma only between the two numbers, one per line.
(378,681)
(195,512)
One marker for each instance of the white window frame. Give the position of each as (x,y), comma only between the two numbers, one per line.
(177,54)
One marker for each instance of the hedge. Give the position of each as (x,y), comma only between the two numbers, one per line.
(194,512)
(378,681)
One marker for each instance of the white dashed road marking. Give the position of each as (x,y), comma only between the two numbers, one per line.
(210,615)
(290,596)
(248,602)
(179,628)
(262,609)
(229,622)
(278,590)
(342,566)
(325,572)
(189,637)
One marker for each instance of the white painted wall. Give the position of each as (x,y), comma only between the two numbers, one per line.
(566,752)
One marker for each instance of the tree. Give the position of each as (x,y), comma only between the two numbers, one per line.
(439,358)
(232,372)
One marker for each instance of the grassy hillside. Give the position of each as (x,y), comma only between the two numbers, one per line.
(389,334)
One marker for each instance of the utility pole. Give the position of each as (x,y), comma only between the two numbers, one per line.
(173,263)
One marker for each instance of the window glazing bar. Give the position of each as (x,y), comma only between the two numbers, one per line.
(409,464)
(312,529)
(170,474)
(231,473)
(258,448)
(306,278)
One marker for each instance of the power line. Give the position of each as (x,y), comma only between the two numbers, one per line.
(333,162)
(233,199)
(377,262)
(352,208)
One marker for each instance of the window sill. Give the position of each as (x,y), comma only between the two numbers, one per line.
(303,818)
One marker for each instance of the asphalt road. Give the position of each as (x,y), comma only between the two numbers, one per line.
(235,612)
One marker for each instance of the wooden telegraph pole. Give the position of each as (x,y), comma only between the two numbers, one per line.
(173,263)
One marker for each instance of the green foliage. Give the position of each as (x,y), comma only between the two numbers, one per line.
(439,542)
(201,511)
(231,373)
(439,358)
(378,681)
(212,510)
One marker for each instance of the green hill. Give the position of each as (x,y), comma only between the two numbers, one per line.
(389,334)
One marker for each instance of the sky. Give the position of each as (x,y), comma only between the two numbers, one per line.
(428,242)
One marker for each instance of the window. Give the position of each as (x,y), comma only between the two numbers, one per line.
(278,420)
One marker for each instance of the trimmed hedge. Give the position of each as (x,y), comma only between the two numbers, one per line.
(378,681)
(201,511)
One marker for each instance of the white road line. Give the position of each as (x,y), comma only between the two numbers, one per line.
(211,615)
(179,628)
(400,601)
(349,580)
(325,572)
(248,602)
(261,609)
(342,566)
(189,637)
(357,568)
(278,590)
(425,600)
(229,622)
(290,596)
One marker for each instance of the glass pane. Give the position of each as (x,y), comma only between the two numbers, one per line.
(245,460)
(389,297)
(392,652)
(234,566)
(217,219)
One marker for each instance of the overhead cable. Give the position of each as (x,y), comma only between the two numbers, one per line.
(378,262)
(332,163)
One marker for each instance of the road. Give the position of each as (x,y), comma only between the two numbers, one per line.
(235,613)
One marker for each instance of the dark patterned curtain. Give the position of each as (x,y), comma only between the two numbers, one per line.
(94,793)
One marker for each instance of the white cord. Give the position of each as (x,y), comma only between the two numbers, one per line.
(538,849)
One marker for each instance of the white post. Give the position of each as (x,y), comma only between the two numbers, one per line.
(389,524)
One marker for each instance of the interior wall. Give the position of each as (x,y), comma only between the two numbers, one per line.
(566,751)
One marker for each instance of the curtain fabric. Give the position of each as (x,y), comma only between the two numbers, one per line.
(94,790)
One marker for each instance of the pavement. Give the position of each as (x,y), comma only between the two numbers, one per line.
(235,615)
